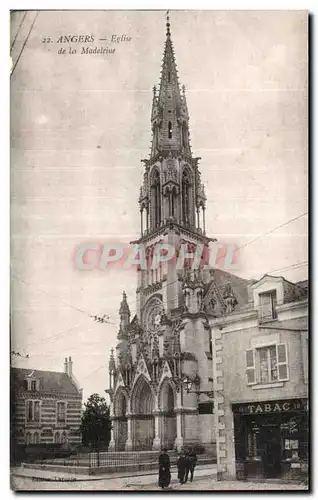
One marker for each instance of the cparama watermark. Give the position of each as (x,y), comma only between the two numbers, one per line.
(89,256)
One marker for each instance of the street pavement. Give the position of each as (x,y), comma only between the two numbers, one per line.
(204,480)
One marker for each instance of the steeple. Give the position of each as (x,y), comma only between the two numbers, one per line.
(172,192)
(169,109)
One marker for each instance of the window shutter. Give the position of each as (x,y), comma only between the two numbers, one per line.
(282,362)
(250,366)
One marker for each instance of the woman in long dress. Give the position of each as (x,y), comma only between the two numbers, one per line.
(164,469)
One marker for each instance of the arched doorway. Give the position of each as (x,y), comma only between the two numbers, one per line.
(142,406)
(120,412)
(168,420)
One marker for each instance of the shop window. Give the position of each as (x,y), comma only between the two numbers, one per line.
(33,411)
(268,302)
(253,442)
(294,435)
(266,365)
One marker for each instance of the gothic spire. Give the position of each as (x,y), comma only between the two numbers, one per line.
(169,84)
(169,115)
(124,307)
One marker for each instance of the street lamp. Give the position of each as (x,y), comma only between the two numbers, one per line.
(188,383)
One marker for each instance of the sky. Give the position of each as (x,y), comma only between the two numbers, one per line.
(80,126)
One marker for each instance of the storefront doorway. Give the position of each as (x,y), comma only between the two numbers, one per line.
(271,448)
(271,438)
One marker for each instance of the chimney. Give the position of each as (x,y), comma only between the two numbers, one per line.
(65,366)
(70,367)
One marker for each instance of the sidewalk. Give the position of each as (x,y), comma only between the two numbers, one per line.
(149,483)
(48,476)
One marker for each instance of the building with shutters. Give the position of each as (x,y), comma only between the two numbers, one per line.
(261,381)
(46,406)
(241,343)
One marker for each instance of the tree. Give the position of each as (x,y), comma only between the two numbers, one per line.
(96,423)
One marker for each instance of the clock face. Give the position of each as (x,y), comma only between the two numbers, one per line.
(152,315)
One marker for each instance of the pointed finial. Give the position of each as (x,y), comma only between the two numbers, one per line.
(154,90)
(168,23)
(124,308)
(111,364)
(183,89)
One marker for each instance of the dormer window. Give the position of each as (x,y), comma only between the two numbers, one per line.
(268,302)
(32,384)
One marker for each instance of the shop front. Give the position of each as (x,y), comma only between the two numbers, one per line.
(271,439)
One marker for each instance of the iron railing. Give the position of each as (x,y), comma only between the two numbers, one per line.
(122,458)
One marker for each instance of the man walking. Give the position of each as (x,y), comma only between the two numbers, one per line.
(187,466)
(164,469)
(192,462)
(181,465)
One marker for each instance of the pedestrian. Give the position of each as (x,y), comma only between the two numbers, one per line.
(192,463)
(181,463)
(164,469)
(188,463)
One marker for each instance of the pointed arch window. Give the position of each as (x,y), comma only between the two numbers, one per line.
(170,130)
(184,135)
(169,76)
(156,199)
(156,137)
(186,197)
(173,202)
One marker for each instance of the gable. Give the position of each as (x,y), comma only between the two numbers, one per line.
(119,382)
(141,369)
(166,372)
(215,289)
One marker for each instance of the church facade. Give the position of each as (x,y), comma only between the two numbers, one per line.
(166,339)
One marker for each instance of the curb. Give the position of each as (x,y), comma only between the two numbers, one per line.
(92,478)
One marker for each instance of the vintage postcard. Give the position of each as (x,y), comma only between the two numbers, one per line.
(159,250)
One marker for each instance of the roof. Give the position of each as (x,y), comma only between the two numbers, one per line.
(303,284)
(52,382)
(238,285)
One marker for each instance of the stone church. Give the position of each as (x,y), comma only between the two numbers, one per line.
(169,338)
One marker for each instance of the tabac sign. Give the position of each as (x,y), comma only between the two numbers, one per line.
(286,405)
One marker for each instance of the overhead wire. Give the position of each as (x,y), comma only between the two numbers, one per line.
(17,33)
(25,42)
